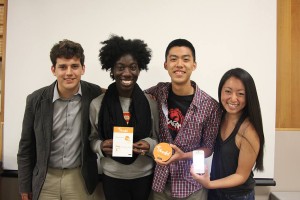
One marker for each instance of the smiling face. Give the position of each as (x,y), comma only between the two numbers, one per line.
(180,65)
(68,73)
(233,96)
(126,72)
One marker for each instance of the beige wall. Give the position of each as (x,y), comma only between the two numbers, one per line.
(288,64)
(287,141)
(287,162)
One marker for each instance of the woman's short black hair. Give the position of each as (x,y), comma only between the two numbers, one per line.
(116,47)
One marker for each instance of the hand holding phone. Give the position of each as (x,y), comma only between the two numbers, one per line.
(198,161)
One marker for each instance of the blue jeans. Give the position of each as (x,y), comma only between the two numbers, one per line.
(218,195)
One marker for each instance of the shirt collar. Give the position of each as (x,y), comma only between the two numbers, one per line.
(56,94)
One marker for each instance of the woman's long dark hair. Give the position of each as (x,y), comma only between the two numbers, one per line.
(252,108)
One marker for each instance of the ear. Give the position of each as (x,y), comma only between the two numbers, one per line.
(53,70)
(83,70)
(165,66)
(195,66)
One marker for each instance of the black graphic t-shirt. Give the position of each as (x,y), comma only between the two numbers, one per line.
(177,106)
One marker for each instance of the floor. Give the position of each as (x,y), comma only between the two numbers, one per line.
(9,188)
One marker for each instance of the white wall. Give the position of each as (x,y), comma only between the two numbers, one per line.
(287,162)
(226,34)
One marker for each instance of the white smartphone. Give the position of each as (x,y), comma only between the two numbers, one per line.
(198,161)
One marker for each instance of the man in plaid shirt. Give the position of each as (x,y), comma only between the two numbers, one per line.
(189,120)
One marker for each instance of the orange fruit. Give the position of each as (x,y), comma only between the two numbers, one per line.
(162,151)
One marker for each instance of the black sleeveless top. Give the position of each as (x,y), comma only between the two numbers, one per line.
(225,161)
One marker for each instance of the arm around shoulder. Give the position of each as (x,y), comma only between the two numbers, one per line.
(152,139)
(95,142)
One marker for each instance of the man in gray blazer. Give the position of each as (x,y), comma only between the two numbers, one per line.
(54,158)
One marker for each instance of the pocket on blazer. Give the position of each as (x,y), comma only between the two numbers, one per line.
(35,171)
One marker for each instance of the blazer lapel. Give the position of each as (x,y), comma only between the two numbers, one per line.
(84,109)
(47,117)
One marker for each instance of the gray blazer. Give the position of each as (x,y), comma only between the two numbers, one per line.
(34,146)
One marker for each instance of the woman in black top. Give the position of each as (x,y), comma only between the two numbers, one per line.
(240,142)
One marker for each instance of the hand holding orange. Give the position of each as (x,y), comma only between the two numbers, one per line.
(162,151)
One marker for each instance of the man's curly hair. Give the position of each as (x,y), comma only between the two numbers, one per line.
(66,49)
(116,47)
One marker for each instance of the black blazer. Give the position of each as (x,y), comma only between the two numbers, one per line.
(34,146)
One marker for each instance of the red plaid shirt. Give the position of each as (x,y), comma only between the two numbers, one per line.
(199,129)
